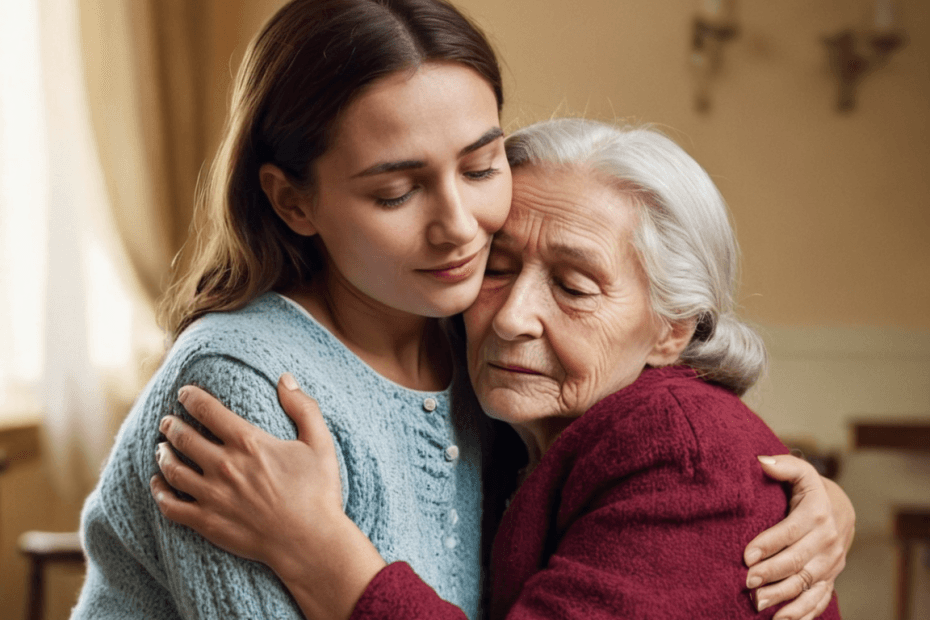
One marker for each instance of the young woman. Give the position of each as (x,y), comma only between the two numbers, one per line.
(350,208)
(361,178)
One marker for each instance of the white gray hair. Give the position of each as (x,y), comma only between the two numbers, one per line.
(684,239)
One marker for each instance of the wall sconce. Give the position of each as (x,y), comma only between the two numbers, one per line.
(853,55)
(714,25)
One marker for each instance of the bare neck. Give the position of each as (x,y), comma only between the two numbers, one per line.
(407,349)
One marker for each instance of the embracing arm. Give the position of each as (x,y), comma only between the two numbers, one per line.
(322,557)
(328,578)
(142,565)
(807,551)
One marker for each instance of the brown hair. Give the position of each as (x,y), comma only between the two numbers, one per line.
(310,60)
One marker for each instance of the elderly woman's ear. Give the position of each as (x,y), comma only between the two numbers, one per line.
(672,341)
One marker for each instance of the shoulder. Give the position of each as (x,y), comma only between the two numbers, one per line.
(669,426)
(671,413)
(268,327)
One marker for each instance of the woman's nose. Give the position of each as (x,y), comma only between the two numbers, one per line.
(453,223)
(520,316)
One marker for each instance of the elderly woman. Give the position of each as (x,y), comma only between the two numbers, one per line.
(604,334)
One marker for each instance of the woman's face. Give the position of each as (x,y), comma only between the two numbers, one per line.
(412,189)
(563,318)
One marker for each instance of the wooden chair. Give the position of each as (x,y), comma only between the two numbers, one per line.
(42,549)
(911,525)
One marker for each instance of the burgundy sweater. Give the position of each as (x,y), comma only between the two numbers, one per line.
(640,509)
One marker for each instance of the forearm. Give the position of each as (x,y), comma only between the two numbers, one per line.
(328,576)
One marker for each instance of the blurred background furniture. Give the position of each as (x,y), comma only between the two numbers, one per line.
(43,549)
(911,523)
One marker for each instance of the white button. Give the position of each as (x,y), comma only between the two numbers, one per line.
(452,453)
(429,404)
(454,516)
(451,542)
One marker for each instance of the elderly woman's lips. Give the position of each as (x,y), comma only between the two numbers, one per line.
(512,368)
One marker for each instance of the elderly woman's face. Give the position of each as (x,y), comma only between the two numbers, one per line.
(563,318)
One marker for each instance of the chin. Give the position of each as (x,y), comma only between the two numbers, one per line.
(453,301)
(508,406)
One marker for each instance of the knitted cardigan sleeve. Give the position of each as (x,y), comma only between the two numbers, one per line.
(141,565)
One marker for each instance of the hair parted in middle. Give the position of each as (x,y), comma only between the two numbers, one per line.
(684,238)
(306,65)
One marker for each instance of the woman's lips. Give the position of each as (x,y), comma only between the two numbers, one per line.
(455,271)
(513,368)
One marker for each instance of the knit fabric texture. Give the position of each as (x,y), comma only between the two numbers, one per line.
(409,462)
(640,509)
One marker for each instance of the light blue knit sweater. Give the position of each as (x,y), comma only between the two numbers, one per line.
(415,498)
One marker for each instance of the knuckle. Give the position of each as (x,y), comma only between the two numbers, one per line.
(806,580)
(226,470)
(170,469)
(792,530)
(250,444)
(202,408)
(181,439)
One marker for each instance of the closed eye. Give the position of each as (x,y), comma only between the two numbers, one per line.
(395,202)
(572,291)
(480,175)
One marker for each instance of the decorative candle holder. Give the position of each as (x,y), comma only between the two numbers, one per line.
(706,49)
(854,55)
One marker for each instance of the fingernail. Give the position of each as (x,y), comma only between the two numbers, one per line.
(762,604)
(753,556)
(160,497)
(768,460)
(164,424)
(152,481)
(754,582)
(289,381)
(159,452)
(183,394)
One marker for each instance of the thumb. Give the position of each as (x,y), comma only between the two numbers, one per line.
(787,468)
(303,410)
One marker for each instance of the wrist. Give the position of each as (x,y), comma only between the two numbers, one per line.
(329,572)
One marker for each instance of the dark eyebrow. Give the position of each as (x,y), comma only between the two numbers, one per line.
(489,136)
(412,164)
(390,166)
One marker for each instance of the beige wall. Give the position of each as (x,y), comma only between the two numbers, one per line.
(832,210)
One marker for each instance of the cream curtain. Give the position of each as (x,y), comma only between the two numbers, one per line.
(145,66)
(102,121)
(68,308)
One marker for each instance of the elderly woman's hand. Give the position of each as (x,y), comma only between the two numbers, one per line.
(246,491)
(801,556)
(266,499)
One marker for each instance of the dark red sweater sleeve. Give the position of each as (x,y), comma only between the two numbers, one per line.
(398,593)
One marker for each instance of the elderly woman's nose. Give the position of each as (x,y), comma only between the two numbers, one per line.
(454,221)
(519,317)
